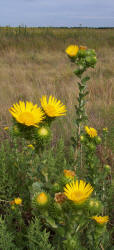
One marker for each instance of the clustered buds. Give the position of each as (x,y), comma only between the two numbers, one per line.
(16,202)
(82,56)
(90,138)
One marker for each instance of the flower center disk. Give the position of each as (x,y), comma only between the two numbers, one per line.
(51,110)
(26,118)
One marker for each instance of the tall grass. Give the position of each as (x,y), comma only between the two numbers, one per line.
(33,63)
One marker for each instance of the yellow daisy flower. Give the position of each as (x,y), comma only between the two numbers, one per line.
(27,114)
(42,198)
(53,107)
(18,201)
(78,191)
(72,50)
(101,219)
(91,131)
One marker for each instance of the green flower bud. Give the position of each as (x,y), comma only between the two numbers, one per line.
(82,138)
(43,132)
(16,130)
(107,168)
(56,187)
(91,146)
(90,52)
(98,139)
(91,60)
(94,206)
(105,130)
(40,200)
(43,135)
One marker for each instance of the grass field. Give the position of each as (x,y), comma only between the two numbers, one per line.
(33,63)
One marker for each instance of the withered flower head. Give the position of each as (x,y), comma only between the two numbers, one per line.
(60,197)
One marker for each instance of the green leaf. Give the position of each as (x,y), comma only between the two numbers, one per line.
(85,79)
(51,222)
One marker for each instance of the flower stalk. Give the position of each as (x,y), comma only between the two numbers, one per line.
(84,58)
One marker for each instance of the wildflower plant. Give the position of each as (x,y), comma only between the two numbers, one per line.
(46,202)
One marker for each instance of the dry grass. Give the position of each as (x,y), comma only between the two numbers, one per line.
(33,63)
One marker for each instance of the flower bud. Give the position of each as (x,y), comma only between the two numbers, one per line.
(90,52)
(56,187)
(107,168)
(83,48)
(41,199)
(69,174)
(16,130)
(91,146)
(105,130)
(82,138)
(43,135)
(13,207)
(91,60)
(43,131)
(98,139)
(95,206)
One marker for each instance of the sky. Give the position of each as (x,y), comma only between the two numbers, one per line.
(57,13)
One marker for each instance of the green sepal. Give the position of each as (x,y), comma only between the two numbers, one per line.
(81,53)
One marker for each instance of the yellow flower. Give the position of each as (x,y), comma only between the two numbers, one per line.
(42,199)
(53,107)
(30,146)
(72,50)
(101,219)
(18,201)
(69,173)
(6,128)
(91,131)
(27,113)
(78,191)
